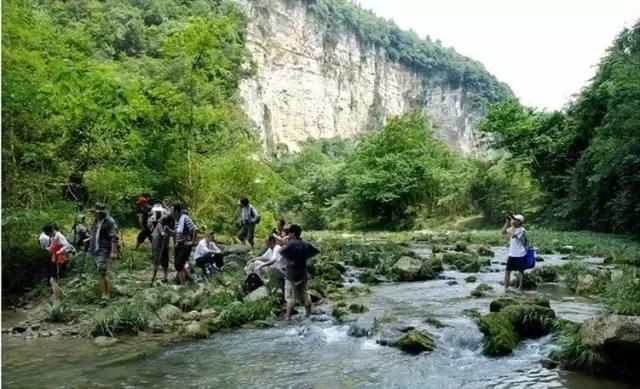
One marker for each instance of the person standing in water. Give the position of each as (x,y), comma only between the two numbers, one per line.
(103,246)
(517,249)
(297,253)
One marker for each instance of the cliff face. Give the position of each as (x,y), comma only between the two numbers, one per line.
(305,88)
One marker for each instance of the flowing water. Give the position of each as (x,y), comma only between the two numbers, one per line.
(316,352)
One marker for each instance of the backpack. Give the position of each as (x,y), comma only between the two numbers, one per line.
(255,215)
(530,256)
(252,282)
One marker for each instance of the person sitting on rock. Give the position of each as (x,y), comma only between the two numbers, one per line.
(60,249)
(208,256)
(297,253)
(517,249)
(276,264)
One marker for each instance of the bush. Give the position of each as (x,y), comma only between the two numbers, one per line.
(574,355)
(623,295)
(59,312)
(122,317)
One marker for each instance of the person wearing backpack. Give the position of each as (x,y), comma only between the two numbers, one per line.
(59,249)
(249,217)
(517,249)
(185,235)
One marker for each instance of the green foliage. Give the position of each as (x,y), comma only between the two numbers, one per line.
(586,159)
(130,316)
(393,172)
(623,295)
(530,320)
(574,355)
(59,312)
(500,336)
(239,313)
(423,55)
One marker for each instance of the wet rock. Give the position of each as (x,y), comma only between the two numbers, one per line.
(460,246)
(195,330)
(608,260)
(613,334)
(169,312)
(357,308)
(530,282)
(539,258)
(190,316)
(368,277)
(19,329)
(500,338)
(481,249)
(407,268)
(35,327)
(452,257)
(480,290)
(530,321)
(357,331)
(452,282)
(545,274)
(470,279)
(257,294)
(315,296)
(587,285)
(415,342)
(434,322)
(500,303)
(104,341)
(566,249)
(402,328)
(549,363)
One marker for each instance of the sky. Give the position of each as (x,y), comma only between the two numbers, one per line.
(546,50)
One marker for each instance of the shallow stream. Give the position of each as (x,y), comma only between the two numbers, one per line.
(316,353)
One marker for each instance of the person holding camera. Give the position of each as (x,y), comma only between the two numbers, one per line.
(517,248)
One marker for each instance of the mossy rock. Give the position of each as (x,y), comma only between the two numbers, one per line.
(339,312)
(471,279)
(415,342)
(480,290)
(407,269)
(545,274)
(530,282)
(460,246)
(357,308)
(328,271)
(500,335)
(451,257)
(369,277)
(530,321)
(608,260)
(195,330)
(500,303)
(481,249)
(434,322)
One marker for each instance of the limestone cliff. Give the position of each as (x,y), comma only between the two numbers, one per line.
(305,88)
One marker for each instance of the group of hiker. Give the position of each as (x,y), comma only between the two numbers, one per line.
(282,267)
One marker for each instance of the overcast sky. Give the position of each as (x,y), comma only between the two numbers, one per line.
(546,50)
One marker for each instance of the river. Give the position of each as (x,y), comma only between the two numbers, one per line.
(316,352)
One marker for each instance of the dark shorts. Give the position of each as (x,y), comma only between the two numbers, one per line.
(216,259)
(516,263)
(183,252)
(247,231)
(53,270)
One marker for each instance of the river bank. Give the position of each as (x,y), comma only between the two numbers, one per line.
(444,295)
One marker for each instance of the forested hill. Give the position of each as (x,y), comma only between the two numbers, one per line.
(329,68)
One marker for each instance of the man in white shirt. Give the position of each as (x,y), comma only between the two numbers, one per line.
(275,262)
(517,248)
(208,256)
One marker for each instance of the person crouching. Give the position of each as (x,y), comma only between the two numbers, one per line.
(208,256)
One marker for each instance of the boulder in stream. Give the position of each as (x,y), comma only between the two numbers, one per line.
(104,341)
(471,279)
(616,334)
(415,342)
(407,268)
(195,330)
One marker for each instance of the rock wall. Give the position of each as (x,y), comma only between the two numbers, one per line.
(305,88)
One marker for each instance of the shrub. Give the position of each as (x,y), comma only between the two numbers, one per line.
(59,312)
(122,317)
(574,355)
(623,295)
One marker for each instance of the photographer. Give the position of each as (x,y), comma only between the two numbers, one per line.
(517,248)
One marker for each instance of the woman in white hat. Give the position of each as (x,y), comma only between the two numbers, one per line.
(517,248)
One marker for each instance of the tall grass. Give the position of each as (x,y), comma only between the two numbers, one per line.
(623,295)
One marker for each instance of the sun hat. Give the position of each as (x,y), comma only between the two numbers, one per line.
(519,217)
